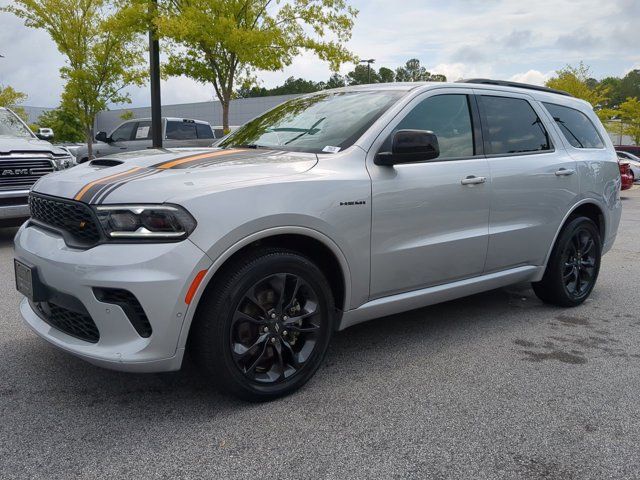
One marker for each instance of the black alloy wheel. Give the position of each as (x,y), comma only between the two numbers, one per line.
(263,326)
(572,269)
(579,263)
(275,328)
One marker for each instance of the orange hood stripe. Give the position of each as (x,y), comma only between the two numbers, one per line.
(101,181)
(193,158)
(119,177)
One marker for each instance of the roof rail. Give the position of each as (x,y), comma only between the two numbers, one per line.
(504,83)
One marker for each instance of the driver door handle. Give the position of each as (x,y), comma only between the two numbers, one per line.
(565,172)
(473,180)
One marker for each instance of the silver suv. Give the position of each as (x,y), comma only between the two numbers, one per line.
(135,135)
(23,160)
(327,211)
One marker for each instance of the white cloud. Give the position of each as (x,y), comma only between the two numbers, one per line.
(522,40)
(458,71)
(534,77)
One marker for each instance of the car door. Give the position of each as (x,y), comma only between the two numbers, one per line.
(120,139)
(140,138)
(430,219)
(534,180)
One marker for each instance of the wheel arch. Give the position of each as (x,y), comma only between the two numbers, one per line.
(311,243)
(587,208)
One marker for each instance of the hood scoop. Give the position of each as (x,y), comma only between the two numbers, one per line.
(105,162)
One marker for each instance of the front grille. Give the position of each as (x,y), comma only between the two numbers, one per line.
(79,325)
(21,174)
(130,306)
(76,219)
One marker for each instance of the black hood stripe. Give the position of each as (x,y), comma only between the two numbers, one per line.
(98,190)
(101,197)
(91,188)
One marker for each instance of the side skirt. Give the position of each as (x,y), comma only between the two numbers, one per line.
(403,302)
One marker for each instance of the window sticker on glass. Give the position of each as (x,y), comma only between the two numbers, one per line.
(331,149)
(142,132)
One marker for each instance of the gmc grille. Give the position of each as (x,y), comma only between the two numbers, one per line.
(22,173)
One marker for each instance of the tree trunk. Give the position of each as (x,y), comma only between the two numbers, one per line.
(225,115)
(89,138)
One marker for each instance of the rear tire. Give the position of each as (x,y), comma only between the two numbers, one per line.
(574,264)
(263,329)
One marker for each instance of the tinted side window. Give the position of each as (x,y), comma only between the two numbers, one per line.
(512,126)
(203,131)
(181,131)
(576,126)
(143,131)
(123,132)
(449,118)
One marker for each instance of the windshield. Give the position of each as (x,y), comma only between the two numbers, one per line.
(11,126)
(326,122)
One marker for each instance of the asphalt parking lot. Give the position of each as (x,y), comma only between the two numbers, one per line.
(497,385)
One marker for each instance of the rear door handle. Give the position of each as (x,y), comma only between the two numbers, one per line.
(565,172)
(473,180)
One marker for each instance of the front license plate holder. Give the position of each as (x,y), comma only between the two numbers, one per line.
(28,283)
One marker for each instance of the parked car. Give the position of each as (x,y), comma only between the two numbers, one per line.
(329,210)
(136,135)
(633,162)
(635,149)
(626,175)
(44,133)
(218,130)
(24,159)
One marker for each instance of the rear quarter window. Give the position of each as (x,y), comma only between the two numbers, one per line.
(576,127)
(511,126)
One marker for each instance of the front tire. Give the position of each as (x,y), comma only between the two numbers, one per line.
(574,264)
(263,329)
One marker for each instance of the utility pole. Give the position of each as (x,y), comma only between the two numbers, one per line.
(154,79)
(368,62)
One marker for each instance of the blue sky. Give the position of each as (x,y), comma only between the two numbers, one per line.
(505,39)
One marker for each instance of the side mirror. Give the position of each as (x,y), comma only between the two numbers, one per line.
(410,146)
(102,137)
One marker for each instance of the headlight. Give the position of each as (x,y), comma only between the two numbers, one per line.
(145,222)
(63,162)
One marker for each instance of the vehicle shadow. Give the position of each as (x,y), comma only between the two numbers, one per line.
(65,380)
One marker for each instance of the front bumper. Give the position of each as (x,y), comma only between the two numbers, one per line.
(14,204)
(158,275)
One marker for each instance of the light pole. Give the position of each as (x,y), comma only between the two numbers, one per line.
(368,62)
(154,79)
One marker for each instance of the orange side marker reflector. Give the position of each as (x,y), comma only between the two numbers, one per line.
(194,286)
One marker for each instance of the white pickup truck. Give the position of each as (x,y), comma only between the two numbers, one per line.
(24,158)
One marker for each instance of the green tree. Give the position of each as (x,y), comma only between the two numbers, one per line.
(11,98)
(65,125)
(335,81)
(412,71)
(361,75)
(629,113)
(127,115)
(101,54)
(578,82)
(386,75)
(222,42)
(291,86)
